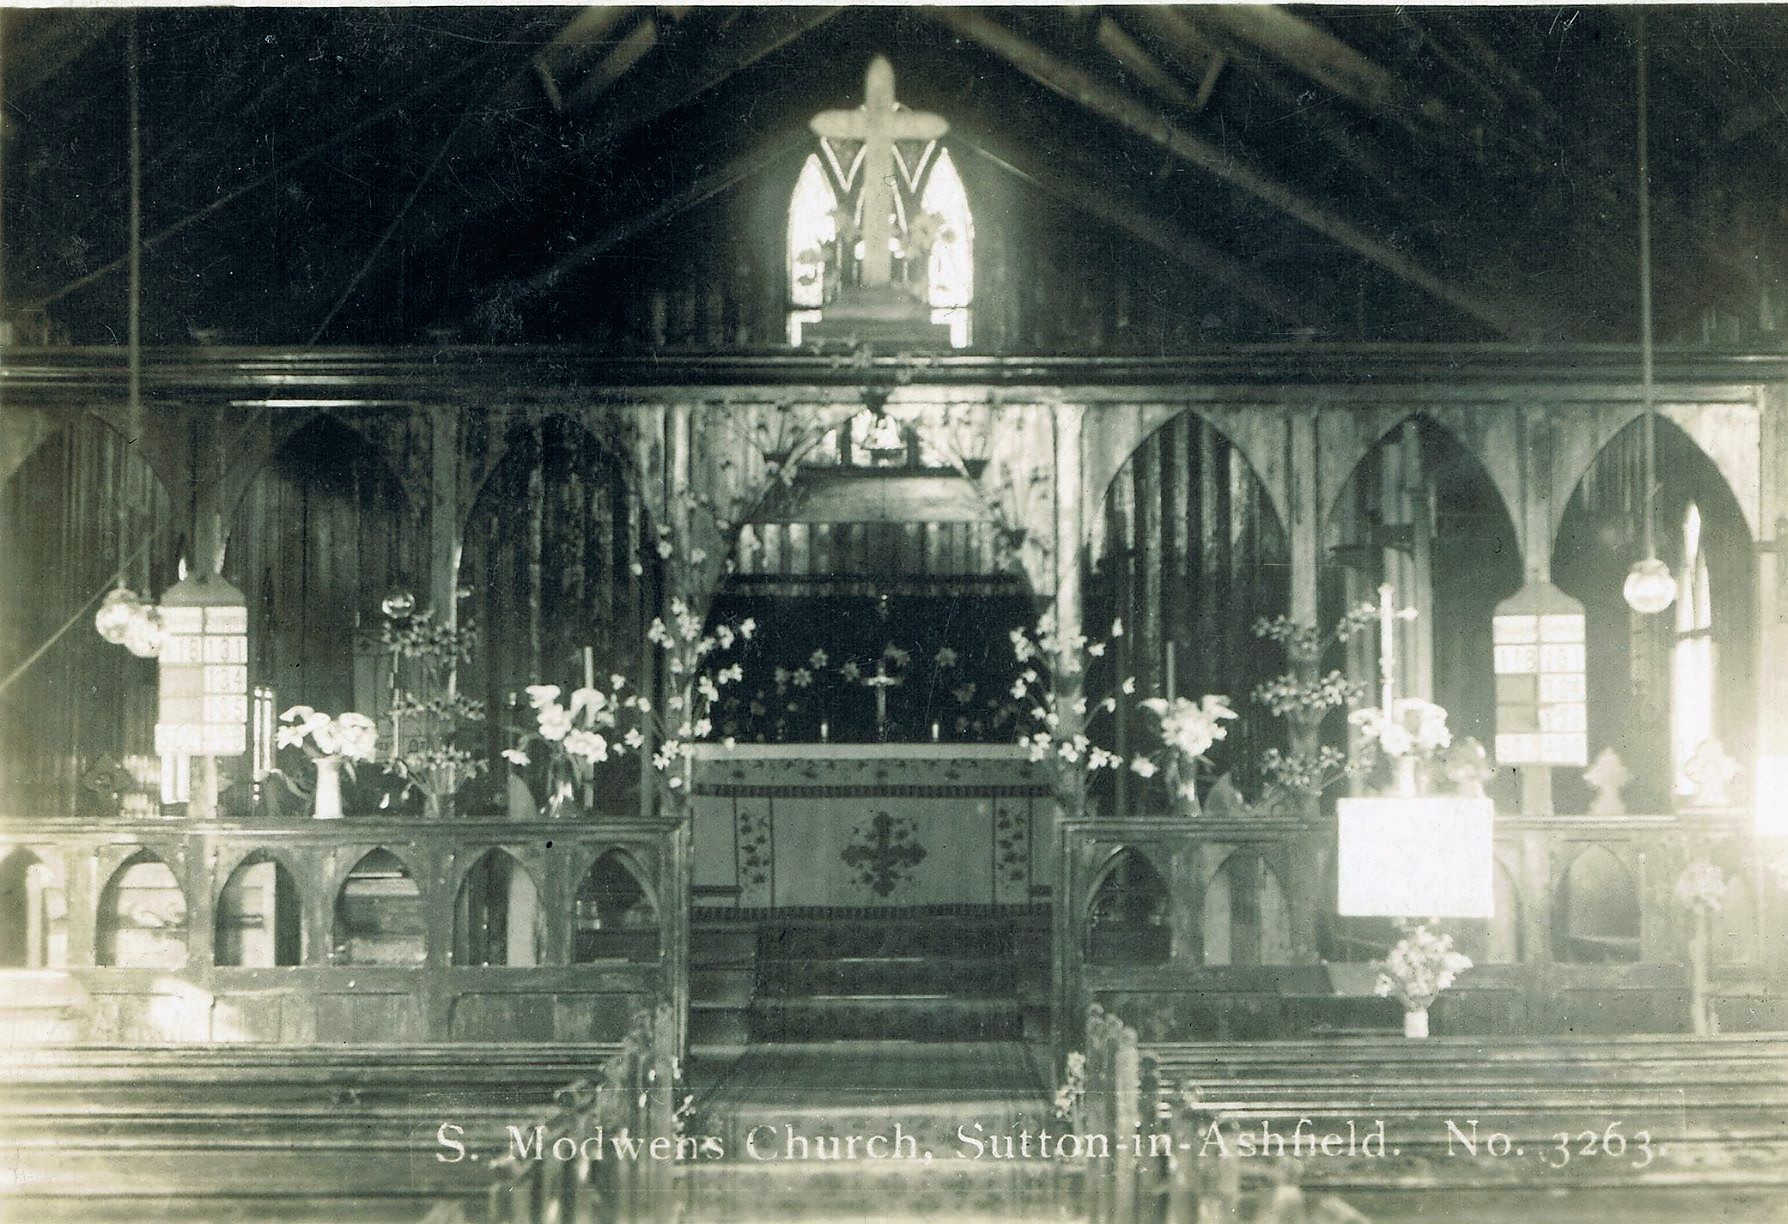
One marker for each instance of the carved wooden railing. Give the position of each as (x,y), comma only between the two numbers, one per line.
(1159,1167)
(631,1098)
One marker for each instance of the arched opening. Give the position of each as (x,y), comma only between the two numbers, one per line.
(259,916)
(141,923)
(77,729)
(1420,512)
(33,914)
(1190,553)
(551,548)
(614,916)
(1244,920)
(1127,919)
(1660,687)
(323,533)
(496,915)
(378,914)
(1495,940)
(1596,911)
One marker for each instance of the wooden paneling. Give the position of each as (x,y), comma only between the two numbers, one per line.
(79,506)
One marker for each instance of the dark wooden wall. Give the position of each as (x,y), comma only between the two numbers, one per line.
(1192,554)
(323,533)
(60,521)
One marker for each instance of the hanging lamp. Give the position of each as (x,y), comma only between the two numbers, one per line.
(1650,587)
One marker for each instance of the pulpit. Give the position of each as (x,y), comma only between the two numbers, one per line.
(870,826)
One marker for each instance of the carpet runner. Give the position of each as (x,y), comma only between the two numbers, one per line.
(790,1117)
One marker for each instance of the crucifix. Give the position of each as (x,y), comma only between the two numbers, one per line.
(1388,616)
(878,123)
(881,682)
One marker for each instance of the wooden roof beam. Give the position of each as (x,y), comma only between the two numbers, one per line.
(1328,61)
(583,37)
(1177,243)
(1143,66)
(1120,108)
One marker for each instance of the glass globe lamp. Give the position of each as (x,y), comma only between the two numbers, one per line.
(1650,587)
(398,605)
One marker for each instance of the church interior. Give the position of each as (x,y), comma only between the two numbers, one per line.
(1107,594)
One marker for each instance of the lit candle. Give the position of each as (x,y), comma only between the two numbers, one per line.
(936,731)
(825,731)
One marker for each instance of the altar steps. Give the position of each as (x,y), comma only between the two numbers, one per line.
(930,978)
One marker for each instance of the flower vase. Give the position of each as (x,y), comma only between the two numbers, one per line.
(1415,1023)
(1407,777)
(327,804)
(561,802)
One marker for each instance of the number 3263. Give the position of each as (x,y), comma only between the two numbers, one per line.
(1609,1141)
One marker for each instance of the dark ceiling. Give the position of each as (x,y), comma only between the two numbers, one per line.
(1479,162)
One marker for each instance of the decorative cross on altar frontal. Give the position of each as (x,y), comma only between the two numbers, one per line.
(878,123)
(1388,616)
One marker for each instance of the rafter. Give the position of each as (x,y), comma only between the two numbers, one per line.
(1121,108)
(584,37)
(1326,60)
(1141,65)
(1171,240)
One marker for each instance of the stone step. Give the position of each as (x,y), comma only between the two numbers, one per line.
(929,1019)
(945,1188)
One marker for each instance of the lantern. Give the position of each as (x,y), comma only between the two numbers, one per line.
(1650,587)
(204,670)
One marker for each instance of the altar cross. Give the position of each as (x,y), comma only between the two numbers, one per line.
(881,682)
(878,123)
(1388,616)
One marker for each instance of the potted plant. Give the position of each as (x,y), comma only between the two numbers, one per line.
(1417,970)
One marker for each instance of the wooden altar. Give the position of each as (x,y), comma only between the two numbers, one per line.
(855,826)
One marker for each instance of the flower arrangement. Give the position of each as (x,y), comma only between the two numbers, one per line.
(595,725)
(1420,968)
(572,738)
(1413,728)
(1304,696)
(1188,730)
(351,737)
(332,743)
(1073,1086)
(431,721)
(1701,888)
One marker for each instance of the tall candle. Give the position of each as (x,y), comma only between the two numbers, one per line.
(1172,688)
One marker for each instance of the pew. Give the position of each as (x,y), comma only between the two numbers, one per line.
(184,1131)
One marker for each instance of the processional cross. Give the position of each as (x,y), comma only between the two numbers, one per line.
(878,123)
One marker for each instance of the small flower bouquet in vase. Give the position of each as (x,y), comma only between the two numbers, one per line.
(1188,730)
(331,742)
(1421,966)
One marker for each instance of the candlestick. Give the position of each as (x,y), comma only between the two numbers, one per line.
(936,731)
(1172,687)
(825,731)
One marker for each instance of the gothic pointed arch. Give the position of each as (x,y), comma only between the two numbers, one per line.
(496,913)
(379,917)
(1189,555)
(141,919)
(260,922)
(324,531)
(1245,920)
(84,512)
(1421,512)
(559,569)
(1596,912)
(1128,914)
(1661,686)
(614,914)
